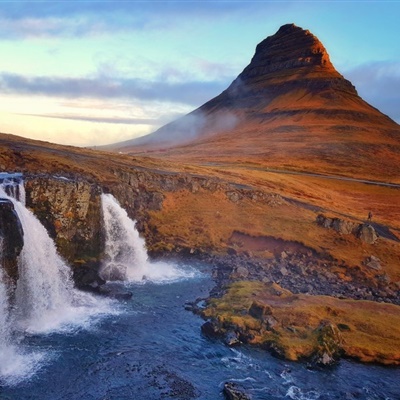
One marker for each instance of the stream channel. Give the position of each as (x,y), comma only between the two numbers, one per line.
(150,347)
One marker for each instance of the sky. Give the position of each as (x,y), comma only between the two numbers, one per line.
(89,73)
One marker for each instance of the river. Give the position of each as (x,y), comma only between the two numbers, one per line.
(150,347)
(58,343)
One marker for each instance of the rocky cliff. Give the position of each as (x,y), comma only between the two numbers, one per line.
(11,238)
(71,213)
(70,208)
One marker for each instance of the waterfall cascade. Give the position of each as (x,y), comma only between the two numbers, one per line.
(7,350)
(44,299)
(125,251)
(15,363)
(12,184)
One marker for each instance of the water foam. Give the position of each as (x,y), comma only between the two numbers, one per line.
(296,393)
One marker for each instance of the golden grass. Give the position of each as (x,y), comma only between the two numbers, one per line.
(207,220)
(370,330)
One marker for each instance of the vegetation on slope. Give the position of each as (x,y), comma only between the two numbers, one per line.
(291,324)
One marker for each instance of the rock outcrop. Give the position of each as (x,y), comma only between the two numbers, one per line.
(11,238)
(330,344)
(71,212)
(366,232)
(233,391)
(316,329)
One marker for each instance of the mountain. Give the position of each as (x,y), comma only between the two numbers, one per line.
(234,184)
(288,108)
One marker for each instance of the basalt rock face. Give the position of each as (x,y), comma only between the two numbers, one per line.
(291,47)
(11,238)
(71,213)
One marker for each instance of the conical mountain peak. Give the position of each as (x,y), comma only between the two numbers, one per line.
(291,47)
(287,107)
(291,58)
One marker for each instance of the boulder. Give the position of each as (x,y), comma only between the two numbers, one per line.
(86,276)
(283,270)
(210,329)
(367,233)
(240,273)
(324,221)
(232,391)
(373,262)
(330,342)
(234,197)
(344,227)
(270,322)
(231,339)
(259,310)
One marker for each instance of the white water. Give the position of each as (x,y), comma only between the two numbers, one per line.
(125,251)
(15,364)
(45,299)
(13,186)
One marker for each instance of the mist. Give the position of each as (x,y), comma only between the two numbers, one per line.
(188,128)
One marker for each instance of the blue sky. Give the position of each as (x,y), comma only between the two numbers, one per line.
(97,72)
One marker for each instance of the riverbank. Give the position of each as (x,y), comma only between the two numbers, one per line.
(298,309)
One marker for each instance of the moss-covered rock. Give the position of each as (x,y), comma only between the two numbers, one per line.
(317,329)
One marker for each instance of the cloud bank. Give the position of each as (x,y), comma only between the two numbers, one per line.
(379,84)
(187,92)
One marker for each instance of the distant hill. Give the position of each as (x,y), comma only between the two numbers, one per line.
(288,108)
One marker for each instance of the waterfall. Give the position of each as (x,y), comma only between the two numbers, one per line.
(126,255)
(45,297)
(125,251)
(44,287)
(15,364)
(6,349)
(44,291)
(44,300)
(13,185)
